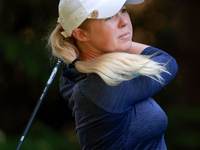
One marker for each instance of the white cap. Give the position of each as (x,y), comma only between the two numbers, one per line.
(72,13)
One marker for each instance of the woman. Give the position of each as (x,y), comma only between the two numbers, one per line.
(108,79)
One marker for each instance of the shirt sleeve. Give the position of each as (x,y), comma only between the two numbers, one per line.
(117,99)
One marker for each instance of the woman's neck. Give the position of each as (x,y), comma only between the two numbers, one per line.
(87,52)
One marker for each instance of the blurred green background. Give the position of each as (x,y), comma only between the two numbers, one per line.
(25,67)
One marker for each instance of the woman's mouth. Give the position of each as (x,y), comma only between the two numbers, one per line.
(125,36)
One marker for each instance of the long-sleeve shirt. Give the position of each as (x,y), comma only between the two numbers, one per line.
(122,117)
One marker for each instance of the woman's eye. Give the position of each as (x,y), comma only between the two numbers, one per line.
(123,10)
(108,18)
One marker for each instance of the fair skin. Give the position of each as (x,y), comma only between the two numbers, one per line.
(112,34)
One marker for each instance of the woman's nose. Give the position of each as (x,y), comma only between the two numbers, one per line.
(123,20)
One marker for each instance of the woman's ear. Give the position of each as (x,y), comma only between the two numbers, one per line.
(80,35)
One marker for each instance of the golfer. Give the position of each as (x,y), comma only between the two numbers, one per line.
(108,79)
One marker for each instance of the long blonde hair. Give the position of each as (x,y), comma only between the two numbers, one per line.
(113,68)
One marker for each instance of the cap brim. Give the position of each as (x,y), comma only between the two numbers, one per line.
(112,7)
(109,8)
(134,1)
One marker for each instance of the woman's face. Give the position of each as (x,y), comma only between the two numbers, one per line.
(111,34)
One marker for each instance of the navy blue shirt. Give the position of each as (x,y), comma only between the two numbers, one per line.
(123,117)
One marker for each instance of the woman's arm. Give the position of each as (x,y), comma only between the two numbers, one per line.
(145,87)
(118,98)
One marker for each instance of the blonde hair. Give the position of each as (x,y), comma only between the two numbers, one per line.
(113,68)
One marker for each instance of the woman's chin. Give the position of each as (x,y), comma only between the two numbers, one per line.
(127,46)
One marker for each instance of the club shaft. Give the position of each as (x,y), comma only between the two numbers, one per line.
(52,76)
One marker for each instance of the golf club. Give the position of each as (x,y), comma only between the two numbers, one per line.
(53,74)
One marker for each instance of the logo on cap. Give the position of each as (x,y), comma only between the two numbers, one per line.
(94,14)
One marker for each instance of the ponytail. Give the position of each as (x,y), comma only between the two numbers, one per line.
(113,68)
(62,48)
